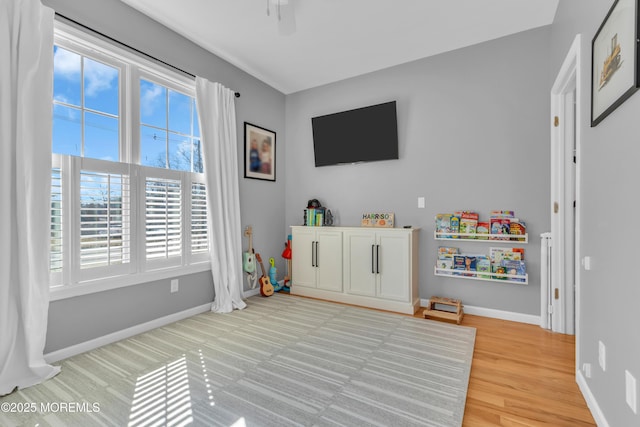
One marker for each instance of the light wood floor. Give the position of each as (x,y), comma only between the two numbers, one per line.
(522,375)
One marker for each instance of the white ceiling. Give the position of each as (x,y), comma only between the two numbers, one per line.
(338,39)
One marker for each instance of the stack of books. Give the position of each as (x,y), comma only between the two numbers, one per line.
(314,217)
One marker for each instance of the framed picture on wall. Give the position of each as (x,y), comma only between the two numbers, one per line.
(259,153)
(614,65)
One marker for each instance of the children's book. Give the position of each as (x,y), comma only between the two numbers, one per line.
(500,226)
(498,254)
(498,269)
(468,225)
(483,227)
(483,265)
(520,251)
(458,264)
(443,224)
(470,265)
(455,225)
(502,214)
(515,267)
(445,262)
(442,250)
(517,228)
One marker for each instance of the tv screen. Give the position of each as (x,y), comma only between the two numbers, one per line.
(362,135)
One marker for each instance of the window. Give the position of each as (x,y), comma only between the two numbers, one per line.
(169,133)
(128,197)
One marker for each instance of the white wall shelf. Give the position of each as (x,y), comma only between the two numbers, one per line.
(473,275)
(486,238)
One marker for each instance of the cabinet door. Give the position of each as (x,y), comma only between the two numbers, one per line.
(393,266)
(360,277)
(303,258)
(329,260)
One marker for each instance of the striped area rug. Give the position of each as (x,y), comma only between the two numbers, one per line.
(283,361)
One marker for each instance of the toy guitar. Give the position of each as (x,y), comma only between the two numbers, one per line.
(266,288)
(248,259)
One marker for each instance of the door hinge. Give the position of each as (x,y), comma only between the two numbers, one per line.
(550,309)
(556,121)
(556,293)
(556,207)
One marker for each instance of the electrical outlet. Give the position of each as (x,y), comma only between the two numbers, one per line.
(174,285)
(586,368)
(421,204)
(631,391)
(602,355)
(586,262)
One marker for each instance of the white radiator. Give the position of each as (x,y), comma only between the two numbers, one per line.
(546,293)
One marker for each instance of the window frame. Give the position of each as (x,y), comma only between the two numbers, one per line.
(71,281)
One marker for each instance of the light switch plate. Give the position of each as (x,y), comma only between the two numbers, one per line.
(421,202)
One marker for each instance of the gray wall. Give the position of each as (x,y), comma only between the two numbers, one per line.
(609,293)
(473,134)
(76,320)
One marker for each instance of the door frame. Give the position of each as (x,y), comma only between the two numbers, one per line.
(569,79)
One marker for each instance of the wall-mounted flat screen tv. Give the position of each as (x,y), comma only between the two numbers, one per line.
(365,134)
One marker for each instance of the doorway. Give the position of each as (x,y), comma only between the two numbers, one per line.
(565,183)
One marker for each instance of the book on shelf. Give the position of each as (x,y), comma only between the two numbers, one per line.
(498,254)
(502,214)
(517,228)
(459,264)
(468,223)
(445,262)
(483,227)
(483,265)
(455,226)
(520,251)
(443,224)
(499,227)
(516,268)
(446,250)
(470,265)
(498,271)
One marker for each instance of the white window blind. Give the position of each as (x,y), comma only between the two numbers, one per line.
(104,219)
(199,237)
(163,218)
(56,242)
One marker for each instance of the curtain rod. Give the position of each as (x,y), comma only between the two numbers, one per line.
(130,47)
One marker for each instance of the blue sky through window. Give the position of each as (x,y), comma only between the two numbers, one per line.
(86,112)
(169,134)
(81,84)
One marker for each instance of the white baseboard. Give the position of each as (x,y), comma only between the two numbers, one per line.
(73,350)
(251,293)
(592,404)
(495,314)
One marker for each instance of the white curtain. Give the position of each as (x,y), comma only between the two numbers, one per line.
(217,115)
(26,87)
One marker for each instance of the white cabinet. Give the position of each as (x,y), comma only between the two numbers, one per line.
(378,268)
(318,258)
(378,264)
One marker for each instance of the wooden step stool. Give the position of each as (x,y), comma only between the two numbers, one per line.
(431,311)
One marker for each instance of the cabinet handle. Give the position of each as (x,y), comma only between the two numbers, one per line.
(378,259)
(313,258)
(317,256)
(373,271)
